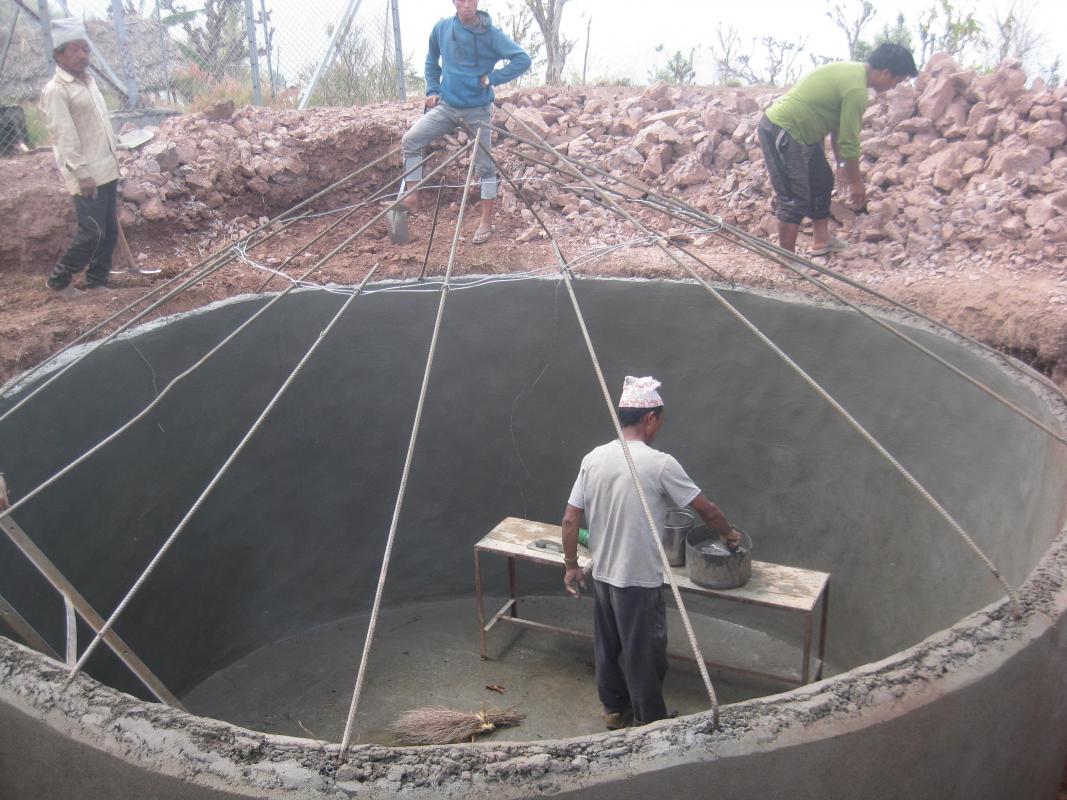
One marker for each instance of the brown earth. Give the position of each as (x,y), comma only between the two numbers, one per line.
(209,178)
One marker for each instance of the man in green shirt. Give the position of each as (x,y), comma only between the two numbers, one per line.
(829,100)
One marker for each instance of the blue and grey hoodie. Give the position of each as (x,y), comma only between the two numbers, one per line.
(468,53)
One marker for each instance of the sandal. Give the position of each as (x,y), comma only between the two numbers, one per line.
(481,236)
(835,245)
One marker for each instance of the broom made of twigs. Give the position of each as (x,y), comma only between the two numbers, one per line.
(441,725)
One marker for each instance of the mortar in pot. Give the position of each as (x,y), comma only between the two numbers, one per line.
(711,564)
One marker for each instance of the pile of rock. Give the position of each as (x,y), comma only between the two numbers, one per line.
(958,164)
(961,168)
(222,163)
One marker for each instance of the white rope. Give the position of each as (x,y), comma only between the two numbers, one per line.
(912,481)
(212,484)
(379,590)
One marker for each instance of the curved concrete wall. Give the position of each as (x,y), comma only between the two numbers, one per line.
(512,407)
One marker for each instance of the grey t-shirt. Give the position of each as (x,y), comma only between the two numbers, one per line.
(620,544)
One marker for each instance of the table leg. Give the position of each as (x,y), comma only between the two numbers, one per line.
(805,671)
(513,587)
(822,630)
(481,607)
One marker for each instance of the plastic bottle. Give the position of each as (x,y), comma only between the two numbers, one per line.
(583,537)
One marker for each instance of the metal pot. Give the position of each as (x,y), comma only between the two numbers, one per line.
(679,524)
(714,566)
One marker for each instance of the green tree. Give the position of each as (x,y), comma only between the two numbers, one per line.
(519,24)
(548,15)
(767,60)
(215,34)
(944,28)
(852,24)
(897,33)
(678,69)
(1014,33)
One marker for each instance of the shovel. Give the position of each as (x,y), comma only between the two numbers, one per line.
(396,221)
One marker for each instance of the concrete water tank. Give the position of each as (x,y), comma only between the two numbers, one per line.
(935,690)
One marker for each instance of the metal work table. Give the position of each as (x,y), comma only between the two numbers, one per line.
(789,589)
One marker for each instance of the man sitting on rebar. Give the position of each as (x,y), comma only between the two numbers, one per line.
(86,151)
(460,73)
(629,615)
(831,99)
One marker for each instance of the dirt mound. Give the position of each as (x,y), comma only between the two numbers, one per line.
(965,216)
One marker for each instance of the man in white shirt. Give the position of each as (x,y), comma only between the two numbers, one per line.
(86,151)
(629,616)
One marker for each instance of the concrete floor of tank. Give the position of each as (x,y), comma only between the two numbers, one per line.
(428,654)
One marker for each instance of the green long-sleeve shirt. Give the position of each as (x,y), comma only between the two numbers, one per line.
(832,97)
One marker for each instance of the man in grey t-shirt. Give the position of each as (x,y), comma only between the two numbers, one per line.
(629,615)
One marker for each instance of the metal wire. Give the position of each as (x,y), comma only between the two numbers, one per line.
(211,265)
(212,484)
(203,360)
(379,590)
(653,528)
(852,421)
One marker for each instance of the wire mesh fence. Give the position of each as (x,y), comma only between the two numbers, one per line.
(186,55)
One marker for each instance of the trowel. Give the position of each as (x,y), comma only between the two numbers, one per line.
(396,221)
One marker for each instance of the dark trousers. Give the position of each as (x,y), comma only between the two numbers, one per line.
(630,645)
(799,173)
(93,244)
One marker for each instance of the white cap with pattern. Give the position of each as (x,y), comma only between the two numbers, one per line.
(640,393)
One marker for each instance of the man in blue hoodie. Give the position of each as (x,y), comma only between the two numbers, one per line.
(460,73)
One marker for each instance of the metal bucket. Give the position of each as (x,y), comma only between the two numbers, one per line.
(679,523)
(712,565)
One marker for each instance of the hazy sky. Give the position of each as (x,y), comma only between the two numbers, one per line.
(625,34)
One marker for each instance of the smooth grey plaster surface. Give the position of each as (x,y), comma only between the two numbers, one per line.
(293,535)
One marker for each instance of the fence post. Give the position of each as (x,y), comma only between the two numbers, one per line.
(253,53)
(45,19)
(163,52)
(400,87)
(10,39)
(339,33)
(132,92)
(269,50)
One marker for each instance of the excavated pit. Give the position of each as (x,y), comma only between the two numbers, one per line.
(258,613)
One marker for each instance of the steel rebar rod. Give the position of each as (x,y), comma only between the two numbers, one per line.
(207,267)
(784,258)
(94,620)
(653,528)
(728,230)
(801,373)
(409,457)
(109,624)
(204,359)
(375,196)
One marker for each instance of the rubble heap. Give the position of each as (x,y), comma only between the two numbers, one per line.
(962,168)
(959,164)
(222,163)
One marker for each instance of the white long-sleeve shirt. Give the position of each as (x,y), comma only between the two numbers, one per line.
(85,145)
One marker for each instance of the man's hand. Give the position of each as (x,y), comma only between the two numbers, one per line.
(431,101)
(87,188)
(857,195)
(732,539)
(485,81)
(573,578)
